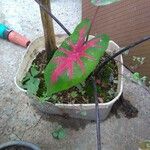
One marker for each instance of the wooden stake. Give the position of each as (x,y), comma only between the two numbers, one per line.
(50,43)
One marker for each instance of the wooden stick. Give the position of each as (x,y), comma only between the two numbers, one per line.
(50,43)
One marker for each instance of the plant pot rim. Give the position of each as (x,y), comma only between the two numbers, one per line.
(85,105)
(18,143)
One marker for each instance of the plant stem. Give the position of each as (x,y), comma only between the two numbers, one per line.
(50,43)
(52,16)
(93,20)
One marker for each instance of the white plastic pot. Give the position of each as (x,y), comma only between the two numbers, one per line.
(83,111)
(18,145)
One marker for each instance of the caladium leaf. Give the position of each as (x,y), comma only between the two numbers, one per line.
(103,2)
(74,60)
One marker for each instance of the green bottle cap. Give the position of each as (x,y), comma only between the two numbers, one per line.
(3,30)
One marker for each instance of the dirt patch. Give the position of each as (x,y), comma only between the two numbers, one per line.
(41,60)
(125,107)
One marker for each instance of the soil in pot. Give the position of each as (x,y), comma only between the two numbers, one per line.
(82,93)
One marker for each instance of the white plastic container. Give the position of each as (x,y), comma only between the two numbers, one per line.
(83,111)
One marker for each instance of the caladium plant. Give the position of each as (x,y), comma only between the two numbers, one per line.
(75,59)
(103,2)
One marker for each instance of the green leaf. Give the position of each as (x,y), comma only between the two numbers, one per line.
(64,82)
(27,77)
(34,71)
(74,94)
(44,98)
(55,134)
(136,76)
(83,92)
(89,88)
(59,133)
(83,84)
(103,2)
(80,88)
(32,85)
(30,82)
(54,97)
(144,79)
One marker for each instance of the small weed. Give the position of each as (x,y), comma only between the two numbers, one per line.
(138,60)
(136,77)
(59,133)
(30,82)
(54,97)
(112,93)
(83,92)
(107,74)
(79,87)
(73,94)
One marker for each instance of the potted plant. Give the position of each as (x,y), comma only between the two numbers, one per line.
(75,75)
(62,73)
(58,79)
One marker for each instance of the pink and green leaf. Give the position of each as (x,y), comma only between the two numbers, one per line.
(74,60)
(103,2)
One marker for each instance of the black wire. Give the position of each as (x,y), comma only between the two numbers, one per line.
(98,131)
(122,51)
(109,58)
(95,89)
(125,66)
(47,11)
